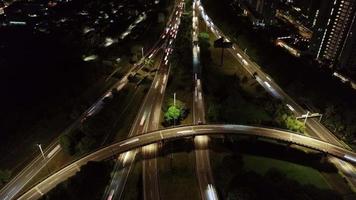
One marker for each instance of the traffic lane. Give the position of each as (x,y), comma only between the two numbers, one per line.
(150,100)
(150,175)
(117,184)
(150,179)
(189,131)
(25,176)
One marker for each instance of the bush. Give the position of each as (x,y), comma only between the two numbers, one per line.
(5,176)
(174,114)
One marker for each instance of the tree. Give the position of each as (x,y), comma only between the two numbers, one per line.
(5,176)
(204,39)
(86,144)
(214,111)
(67,143)
(286,119)
(148,62)
(173,113)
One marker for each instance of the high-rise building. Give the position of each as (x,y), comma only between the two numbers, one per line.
(333,39)
(265,8)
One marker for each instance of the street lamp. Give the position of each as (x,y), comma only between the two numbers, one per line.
(174,99)
(40,147)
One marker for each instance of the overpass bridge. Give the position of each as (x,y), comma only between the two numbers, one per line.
(129,144)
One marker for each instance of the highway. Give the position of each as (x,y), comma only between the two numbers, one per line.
(315,128)
(131,144)
(11,189)
(202,159)
(148,119)
(148,114)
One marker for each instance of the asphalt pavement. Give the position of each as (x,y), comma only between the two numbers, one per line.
(135,142)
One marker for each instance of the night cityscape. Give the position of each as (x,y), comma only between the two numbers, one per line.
(178,99)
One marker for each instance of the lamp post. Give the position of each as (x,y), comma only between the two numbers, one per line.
(174,99)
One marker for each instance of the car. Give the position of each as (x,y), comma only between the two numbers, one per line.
(254,75)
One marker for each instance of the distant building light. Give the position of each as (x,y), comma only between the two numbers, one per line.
(17,23)
(32,15)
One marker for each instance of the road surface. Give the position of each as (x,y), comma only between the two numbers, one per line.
(131,144)
(148,119)
(202,159)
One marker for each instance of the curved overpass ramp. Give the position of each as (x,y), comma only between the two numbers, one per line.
(181,132)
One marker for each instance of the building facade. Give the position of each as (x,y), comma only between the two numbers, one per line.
(333,38)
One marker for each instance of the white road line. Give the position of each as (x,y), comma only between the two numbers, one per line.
(31,196)
(129,142)
(39,191)
(143,119)
(55,149)
(156,85)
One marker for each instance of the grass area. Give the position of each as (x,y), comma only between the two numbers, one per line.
(297,75)
(245,101)
(235,104)
(265,175)
(302,174)
(177,177)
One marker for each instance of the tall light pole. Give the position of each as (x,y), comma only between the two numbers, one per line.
(310,115)
(142,51)
(306,118)
(40,147)
(174,99)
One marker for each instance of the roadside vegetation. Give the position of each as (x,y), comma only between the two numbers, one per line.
(311,85)
(181,79)
(103,126)
(233,96)
(5,176)
(174,113)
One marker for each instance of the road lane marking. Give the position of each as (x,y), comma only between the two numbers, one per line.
(39,191)
(156,85)
(31,196)
(186,131)
(129,142)
(55,149)
(143,119)
(162,88)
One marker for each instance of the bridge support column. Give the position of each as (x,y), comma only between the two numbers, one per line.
(324,158)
